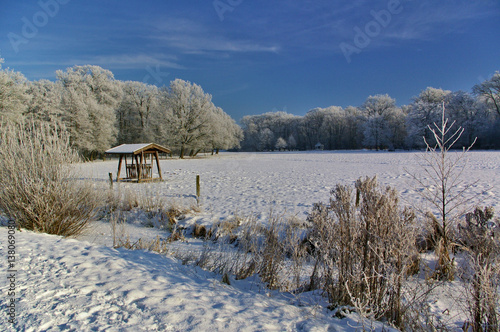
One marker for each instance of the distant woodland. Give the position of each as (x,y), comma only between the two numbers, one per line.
(100,112)
(380,124)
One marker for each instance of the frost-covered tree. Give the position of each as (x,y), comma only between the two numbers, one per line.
(281,124)
(396,128)
(311,126)
(44,101)
(425,109)
(90,97)
(333,126)
(339,128)
(381,116)
(251,132)
(187,115)
(468,114)
(292,142)
(353,136)
(489,91)
(137,113)
(12,94)
(280,144)
(224,132)
(266,139)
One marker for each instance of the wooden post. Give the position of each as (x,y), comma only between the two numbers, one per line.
(110,180)
(151,166)
(157,165)
(198,189)
(120,167)
(138,168)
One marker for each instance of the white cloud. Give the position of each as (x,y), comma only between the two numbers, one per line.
(194,38)
(122,61)
(131,61)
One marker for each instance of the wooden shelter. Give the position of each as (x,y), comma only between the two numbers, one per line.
(319,146)
(142,157)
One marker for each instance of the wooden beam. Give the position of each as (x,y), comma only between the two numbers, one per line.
(143,162)
(157,164)
(120,167)
(138,168)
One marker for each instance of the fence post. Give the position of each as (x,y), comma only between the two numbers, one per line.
(110,180)
(198,189)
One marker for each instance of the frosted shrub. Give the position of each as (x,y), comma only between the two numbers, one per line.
(39,189)
(482,268)
(365,244)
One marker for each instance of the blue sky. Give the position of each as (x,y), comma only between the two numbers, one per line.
(259,56)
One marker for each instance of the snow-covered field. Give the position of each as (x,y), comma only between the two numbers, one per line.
(258,183)
(84,285)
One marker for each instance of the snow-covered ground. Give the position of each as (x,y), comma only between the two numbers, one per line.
(84,285)
(258,183)
(65,284)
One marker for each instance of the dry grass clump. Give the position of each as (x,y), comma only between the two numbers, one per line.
(167,213)
(157,245)
(244,247)
(158,211)
(199,231)
(38,187)
(225,230)
(122,240)
(366,248)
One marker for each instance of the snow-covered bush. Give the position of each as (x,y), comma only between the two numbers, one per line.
(482,268)
(38,186)
(366,247)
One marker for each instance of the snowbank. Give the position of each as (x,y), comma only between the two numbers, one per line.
(65,284)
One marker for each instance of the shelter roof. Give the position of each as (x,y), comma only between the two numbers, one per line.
(137,148)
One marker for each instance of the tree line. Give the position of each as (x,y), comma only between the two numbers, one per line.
(100,111)
(380,124)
